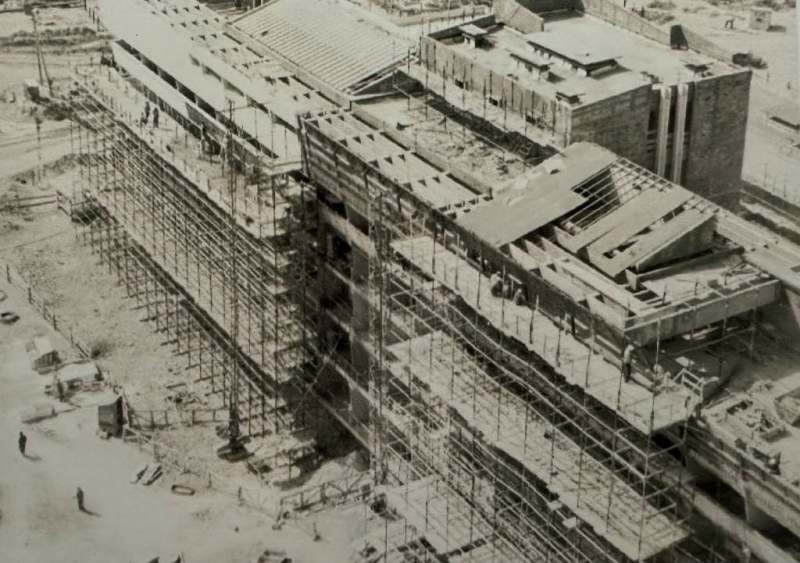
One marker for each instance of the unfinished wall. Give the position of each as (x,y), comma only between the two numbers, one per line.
(517,15)
(622,17)
(716,129)
(498,89)
(618,124)
(544,6)
(627,19)
(702,45)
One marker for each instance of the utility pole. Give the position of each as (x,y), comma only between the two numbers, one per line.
(44,77)
(234,450)
(233,430)
(40,167)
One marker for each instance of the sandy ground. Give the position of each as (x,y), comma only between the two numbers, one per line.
(20,147)
(51,22)
(39,520)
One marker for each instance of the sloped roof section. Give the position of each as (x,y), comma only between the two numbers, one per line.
(325,40)
(540,197)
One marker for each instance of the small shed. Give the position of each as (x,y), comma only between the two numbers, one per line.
(760,18)
(44,358)
(32,89)
(474,36)
(110,417)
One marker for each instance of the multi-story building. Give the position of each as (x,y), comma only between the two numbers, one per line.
(550,350)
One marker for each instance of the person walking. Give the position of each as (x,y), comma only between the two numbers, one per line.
(22,442)
(60,389)
(79,497)
(627,361)
(155,118)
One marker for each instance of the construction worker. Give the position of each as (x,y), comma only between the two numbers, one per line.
(496,284)
(508,289)
(627,359)
(146,111)
(22,442)
(519,296)
(774,464)
(155,118)
(60,389)
(79,498)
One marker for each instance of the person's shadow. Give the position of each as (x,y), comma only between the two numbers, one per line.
(32,457)
(90,512)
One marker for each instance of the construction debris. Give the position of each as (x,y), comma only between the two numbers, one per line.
(8,317)
(184,490)
(151,474)
(44,357)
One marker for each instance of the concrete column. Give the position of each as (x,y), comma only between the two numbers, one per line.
(793,298)
(663,130)
(754,516)
(680,132)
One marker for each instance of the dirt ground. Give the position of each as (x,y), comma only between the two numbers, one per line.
(39,520)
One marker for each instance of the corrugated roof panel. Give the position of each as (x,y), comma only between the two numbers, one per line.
(326,41)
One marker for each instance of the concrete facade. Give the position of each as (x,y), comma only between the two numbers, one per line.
(705,107)
(716,129)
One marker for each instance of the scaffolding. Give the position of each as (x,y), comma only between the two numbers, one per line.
(497,433)
(508,442)
(220,259)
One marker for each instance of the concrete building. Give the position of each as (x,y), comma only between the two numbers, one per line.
(593,71)
(550,350)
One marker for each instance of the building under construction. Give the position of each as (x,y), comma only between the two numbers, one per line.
(552,350)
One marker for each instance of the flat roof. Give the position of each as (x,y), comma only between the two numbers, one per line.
(189,42)
(508,46)
(438,187)
(584,41)
(585,50)
(574,33)
(473,30)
